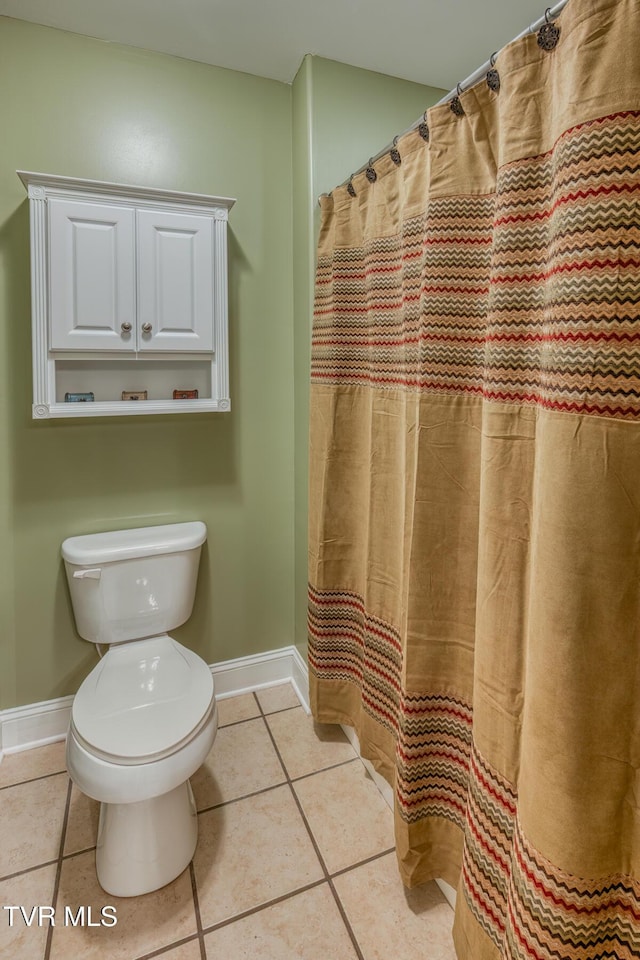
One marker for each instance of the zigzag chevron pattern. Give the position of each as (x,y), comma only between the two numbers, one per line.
(528,907)
(432,732)
(432,757)
(530,295)
(347,643)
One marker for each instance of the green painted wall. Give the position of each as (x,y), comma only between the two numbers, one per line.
(355,114)
(85,108)
(342,116)
(80,107)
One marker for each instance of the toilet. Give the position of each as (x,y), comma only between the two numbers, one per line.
(145,718)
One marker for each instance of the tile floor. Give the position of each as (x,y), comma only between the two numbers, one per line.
(295,857)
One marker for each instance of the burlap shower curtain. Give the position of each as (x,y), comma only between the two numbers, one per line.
(474,598)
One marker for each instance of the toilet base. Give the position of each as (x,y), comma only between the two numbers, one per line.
(144,845)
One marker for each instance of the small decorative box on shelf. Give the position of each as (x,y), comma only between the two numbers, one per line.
(128,285)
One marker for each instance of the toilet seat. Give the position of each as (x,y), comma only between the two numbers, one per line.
(143,701)
(116,782)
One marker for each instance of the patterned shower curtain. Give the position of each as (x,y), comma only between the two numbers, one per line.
(474,598)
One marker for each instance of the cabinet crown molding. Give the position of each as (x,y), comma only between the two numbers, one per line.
(42,185)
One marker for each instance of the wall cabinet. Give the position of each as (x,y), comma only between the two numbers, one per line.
(129,296)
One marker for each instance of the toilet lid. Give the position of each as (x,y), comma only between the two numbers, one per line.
(143,698)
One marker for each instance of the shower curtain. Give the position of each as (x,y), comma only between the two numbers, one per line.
(474,567)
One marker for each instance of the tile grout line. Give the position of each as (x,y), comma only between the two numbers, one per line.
(21,873)
(262,906)
(273,786)
(43,776)
(362,863)
(169,946)
(244,796)
(256,716)
(341,910)
(333,766)
(77,853)
(201,931)
(56,884)
(345,920)
(196,905)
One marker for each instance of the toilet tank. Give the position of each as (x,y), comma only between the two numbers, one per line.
(129,584)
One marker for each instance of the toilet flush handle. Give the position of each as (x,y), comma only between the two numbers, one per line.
(92,574)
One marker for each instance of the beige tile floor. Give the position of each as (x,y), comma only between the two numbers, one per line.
(295,857)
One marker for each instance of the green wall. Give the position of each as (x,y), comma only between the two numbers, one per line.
(342,116)
(355,114)
(80,107)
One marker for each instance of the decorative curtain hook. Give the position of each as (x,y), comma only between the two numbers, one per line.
(549,33)
(394,153)
(493,77)
(456,104)
(351,190)
(372,176)
(423,128)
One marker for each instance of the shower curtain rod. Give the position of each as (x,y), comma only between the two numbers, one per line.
(473,78)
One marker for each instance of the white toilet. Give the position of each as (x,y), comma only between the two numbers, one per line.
(145,718)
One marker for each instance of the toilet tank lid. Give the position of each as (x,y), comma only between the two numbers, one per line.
(95,548)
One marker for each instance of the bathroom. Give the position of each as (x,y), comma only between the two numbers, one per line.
(82,107)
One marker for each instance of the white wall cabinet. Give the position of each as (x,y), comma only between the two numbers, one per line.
(129,295)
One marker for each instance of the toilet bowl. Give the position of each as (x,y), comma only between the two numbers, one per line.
(145,718)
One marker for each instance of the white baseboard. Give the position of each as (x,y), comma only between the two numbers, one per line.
(387,792)
(300,678)
(36,724)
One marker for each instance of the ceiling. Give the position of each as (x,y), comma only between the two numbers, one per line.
(437,42)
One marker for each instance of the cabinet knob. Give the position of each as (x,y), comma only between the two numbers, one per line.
(125,327)
(146,328)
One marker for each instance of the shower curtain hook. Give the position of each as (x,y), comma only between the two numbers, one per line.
(372,176)
(394,153)
(456,104)
(493,77)
(549,32)
(351,190)
(423,128)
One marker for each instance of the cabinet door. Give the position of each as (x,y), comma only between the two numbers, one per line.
(92,276)
(175,281)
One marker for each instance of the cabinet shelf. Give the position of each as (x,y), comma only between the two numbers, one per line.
(128,408)
(129,293)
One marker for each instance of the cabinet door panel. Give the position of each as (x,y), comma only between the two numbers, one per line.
(175,281)
(92,276)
